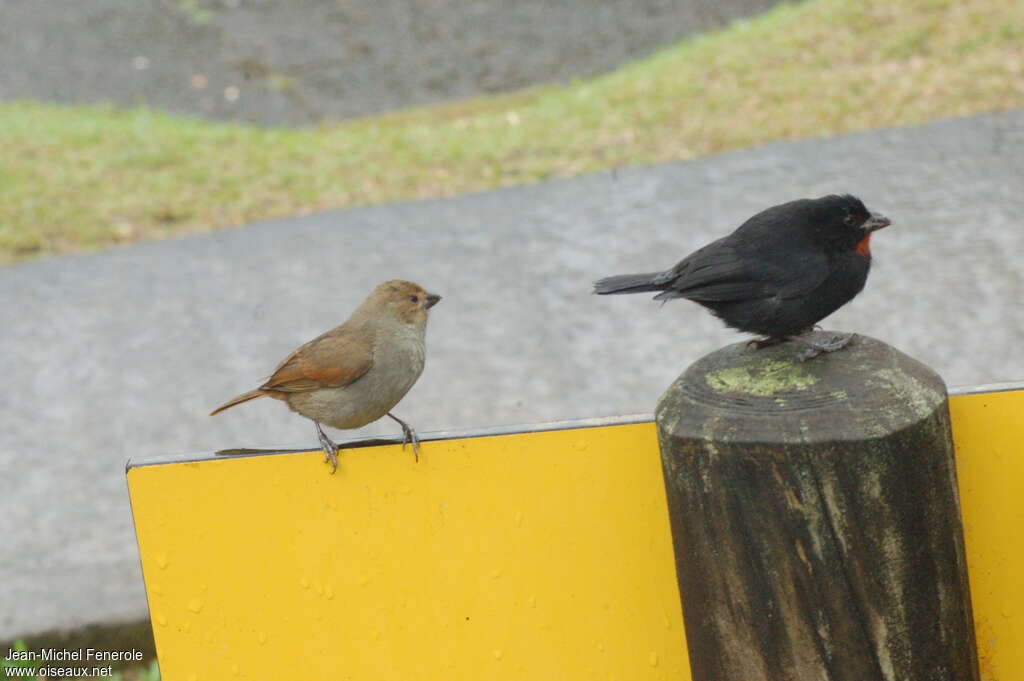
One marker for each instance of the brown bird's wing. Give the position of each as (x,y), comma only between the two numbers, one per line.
(332,360)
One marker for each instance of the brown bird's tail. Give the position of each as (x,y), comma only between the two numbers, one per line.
(630,283)
(244,397)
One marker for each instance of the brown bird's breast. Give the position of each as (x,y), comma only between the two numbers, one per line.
(398,359)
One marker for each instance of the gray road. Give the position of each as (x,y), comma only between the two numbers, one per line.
(123,353)
(301,61)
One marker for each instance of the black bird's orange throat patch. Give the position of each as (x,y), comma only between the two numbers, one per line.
(864,246)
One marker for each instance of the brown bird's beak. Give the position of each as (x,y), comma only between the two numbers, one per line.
(875,222)
(433,299)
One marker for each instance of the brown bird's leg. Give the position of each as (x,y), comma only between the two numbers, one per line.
(330,449)
(815,348)
(408,435)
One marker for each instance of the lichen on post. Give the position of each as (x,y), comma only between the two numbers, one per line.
(815,517)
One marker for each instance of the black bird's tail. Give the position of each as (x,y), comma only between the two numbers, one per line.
(630,283)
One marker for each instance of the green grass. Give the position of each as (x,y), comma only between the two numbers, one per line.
(82,178)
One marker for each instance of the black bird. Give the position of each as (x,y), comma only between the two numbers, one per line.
(778,274)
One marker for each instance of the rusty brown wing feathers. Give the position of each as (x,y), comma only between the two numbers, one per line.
(332,360)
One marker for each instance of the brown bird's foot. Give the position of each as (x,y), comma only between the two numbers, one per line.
(330,449)
(815,348)
(408,435)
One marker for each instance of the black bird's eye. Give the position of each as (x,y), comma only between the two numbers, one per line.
(850,219)
(414,299)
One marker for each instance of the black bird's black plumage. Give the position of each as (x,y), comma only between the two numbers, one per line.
(779,273)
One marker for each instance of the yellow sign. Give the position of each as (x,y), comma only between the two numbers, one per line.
(988,430)
(533,555)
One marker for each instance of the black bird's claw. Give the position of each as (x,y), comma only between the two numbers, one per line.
(408,436)
(330,449)
(758,343)
(815,348)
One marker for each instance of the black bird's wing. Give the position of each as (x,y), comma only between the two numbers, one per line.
(732,270)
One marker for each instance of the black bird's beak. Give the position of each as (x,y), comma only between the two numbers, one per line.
(433,299)
(875,222)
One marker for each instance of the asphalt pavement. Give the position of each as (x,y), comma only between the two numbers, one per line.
(303,61)
(123,353)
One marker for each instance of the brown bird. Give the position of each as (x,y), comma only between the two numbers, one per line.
(357,372)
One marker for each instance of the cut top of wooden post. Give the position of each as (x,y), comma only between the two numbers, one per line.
(867,389)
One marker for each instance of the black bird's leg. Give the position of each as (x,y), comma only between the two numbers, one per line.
(759,343)
(408,435)
(815,348)
(330,449)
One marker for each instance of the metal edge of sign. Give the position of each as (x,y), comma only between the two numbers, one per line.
(356,443)
(573,424)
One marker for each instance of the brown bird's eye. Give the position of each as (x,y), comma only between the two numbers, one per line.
(414,299)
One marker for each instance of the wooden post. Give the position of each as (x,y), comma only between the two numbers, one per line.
(815,517)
